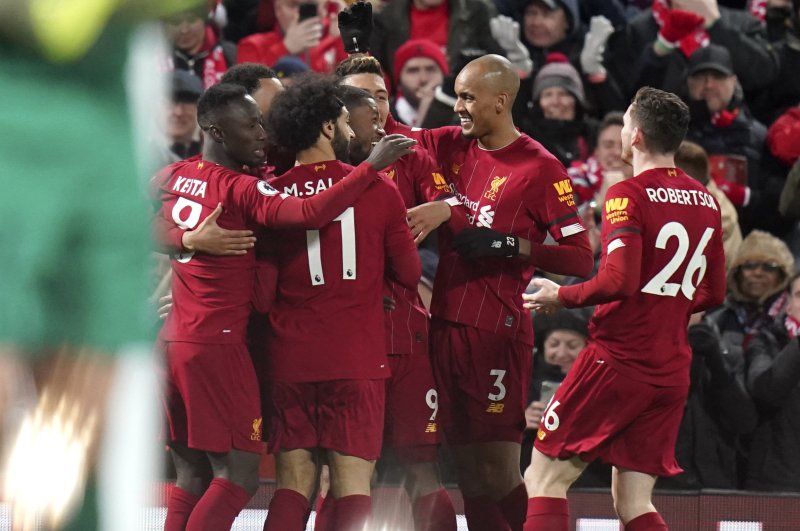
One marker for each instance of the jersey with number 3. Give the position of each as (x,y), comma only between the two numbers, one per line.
(677,221)
(327,321)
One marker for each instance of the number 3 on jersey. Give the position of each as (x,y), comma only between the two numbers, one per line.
(313,244)
(658,285)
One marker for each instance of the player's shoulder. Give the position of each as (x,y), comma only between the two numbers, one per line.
(529,152)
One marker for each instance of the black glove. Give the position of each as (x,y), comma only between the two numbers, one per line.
(355,27)
(482,241)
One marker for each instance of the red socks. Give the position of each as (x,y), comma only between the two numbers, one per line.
(179,507)
(288,511)
(434,512)
(218,507)
(513,507)
(325,510)
(483,514)
(352,513)
(647,522)
(547,514)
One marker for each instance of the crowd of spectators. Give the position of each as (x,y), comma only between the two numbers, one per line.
(734,62)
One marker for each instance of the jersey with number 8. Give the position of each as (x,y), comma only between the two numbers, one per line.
(676,224)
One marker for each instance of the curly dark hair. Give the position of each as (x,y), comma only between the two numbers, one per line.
(662,117)
(298,113)
(359,64)
(248,75)
(215,99)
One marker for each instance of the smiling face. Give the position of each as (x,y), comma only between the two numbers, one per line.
(366,126)
(376,86)
(557,104)
(562,348)
(609,148)
(476,105)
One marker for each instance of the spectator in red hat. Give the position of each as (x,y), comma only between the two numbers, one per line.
(419,67)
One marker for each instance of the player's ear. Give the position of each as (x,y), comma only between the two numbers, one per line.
(636,137)
(500,103)
(216,134)
(328,129)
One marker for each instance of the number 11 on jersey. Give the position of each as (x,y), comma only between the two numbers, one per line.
(313,244)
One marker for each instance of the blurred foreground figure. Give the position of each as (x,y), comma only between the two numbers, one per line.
(78,414)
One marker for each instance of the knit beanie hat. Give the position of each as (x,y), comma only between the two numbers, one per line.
(418,48)
(558,72)
(575,320)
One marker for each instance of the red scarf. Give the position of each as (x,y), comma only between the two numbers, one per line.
(214,64)
(690,43)
(792,326)
(724,118)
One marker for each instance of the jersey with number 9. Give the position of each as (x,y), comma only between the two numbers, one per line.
(676,223)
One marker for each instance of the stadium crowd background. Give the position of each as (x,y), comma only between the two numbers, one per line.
(735,64)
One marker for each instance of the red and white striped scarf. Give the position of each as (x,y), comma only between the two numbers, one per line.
(689,44)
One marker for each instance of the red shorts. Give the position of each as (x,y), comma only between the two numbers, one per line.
(212,400)
(598,412)
(341,415)
(411,407)
(482,379)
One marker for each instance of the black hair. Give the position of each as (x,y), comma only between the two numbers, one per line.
(216,98)
(662,117)
(353,97)
(299,112)
(248,75)
(611,118)
(362,64)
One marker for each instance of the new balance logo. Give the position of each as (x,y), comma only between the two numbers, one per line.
(495,407)
(563,187)
(497,244)
(486,217)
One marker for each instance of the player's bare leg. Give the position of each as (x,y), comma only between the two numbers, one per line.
(350,486)
(235,481)
(632,492)
(194,476)
(296,474)
(489,479)
(547,481)
(431,505)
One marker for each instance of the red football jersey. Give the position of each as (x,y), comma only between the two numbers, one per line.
(520,189)
(327,318)
(419,180)
(666,232)
(212,294)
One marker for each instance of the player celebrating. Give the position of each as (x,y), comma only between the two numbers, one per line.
(662,260)
(327,358)
(212,394)
(411,432)
(481,337)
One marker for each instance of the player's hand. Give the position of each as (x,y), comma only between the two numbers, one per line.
(212,239)
(389,304)
(533,414)
(424,219)
(389,149)
(355,26)
(482,241)
(302,36)
(165,303)
(546,299)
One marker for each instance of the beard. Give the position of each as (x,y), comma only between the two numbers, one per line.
(341,146)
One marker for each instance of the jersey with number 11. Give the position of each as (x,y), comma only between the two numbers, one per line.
(678,223)
(327,318)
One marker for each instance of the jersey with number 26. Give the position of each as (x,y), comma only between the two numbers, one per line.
(645,335)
